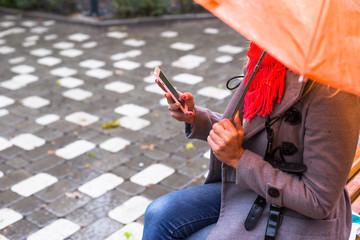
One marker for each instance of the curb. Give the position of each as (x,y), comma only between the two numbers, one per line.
(80,19)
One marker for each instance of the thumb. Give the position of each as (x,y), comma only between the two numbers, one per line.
(189,100)
(237,121)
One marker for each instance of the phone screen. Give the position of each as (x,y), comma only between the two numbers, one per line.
(168,85)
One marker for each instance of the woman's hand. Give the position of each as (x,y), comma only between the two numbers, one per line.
(175,110)
(225,139)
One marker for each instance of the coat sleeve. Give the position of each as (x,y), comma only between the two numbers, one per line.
(203,123)
(330,137)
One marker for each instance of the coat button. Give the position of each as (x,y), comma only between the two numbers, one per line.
(273,192)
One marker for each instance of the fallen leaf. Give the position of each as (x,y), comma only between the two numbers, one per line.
(189,146)
(111,124)
(73,195)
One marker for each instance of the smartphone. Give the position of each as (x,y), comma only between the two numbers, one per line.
(170,89)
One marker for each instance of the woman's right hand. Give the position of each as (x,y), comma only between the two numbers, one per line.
(175,110)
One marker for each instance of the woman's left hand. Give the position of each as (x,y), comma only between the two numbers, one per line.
(225,140)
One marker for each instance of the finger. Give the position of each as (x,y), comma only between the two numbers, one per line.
(189,100)
(160,85)
(237,121)
(228,125)
(169,99)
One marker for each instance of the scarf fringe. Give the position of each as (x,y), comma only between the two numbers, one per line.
(268,84)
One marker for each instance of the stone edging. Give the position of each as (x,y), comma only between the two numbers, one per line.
(80,19)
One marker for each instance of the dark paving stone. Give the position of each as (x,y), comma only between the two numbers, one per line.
(45,163)
(84,161)
(82,217)
(57,190)
(41,218)
(139,163)
(97,230)
(17,162)
(173,162)
(11,152)
(19,230)
(103,204)
(49,134)
(12,178)
(28,126)
(11,120)
(156,154)
(8,197)
(124,172)
(62,170)
(65,205)
(110,162)
(196,168)
(39,152)
(156,191)
(177,181)
(27,205)
(130,188)
(84,175)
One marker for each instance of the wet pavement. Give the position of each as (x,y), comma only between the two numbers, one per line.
(86,141)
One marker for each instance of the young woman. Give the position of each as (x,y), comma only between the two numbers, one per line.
(279,175)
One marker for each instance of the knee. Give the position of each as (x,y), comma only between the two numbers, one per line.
(156,211)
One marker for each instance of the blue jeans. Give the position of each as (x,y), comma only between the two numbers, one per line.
(179,214)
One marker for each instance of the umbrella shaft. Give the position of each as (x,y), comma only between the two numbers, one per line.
(241,99)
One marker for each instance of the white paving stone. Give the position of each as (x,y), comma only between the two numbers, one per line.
(32,38)
(16,60)
(35,102)
(6,50)
(49,61)
(8,217)
(230,49)
(12,85)
(133,53)
(118,56)
(58,230)
(99,73)
(49,23)
(7,24)
(149,79)
(41,52)
(29,23)
(189,61)
(214,92)
(207,154)
(130,210)
(63,45)
(182,46)
(23,69)
(50,37)
(152,175)
(3,238)
(25,78)
(136,229)
(2,41)
(123,55)
(224,59)
(39,30)
(4,112)
(154,88)
(127,65)
(117,34)
(47,119)
(188,78)
(4,143)
(152,64)
(5,101)
(92,64)
(119,87)
(211,30)
(134,42)
(114,144)
(70,82)
(63,72)
(77,94)
(78,37)
(75,149)
(34,184)
(1,175)
(28,44)
(131,110)
(169,34)
(88,45)
(27,141)
(133,123)
(82,118)
(71,53)
(100,185)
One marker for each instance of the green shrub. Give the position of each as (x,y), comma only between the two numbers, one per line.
(139,8)
(26,4)
(61,6)
(8,3)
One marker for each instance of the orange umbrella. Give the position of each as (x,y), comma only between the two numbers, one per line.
(317,39)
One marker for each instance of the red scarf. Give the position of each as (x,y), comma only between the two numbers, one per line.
(268,83)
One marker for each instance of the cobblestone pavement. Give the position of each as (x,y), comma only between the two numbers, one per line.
(63,173)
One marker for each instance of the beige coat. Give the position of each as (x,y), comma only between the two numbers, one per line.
(317,205)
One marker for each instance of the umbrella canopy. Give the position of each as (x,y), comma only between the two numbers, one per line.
(316,39)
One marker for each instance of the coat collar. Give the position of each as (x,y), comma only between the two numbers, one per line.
(292,93)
